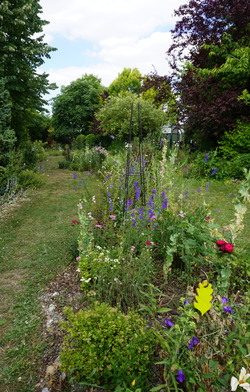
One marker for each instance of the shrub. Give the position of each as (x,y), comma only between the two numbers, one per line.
(91,140)
(236,142)
(29,179)
(64,164)
(80,142)
(89,159)
(106,347)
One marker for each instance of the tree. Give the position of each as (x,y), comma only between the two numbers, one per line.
(128,81)
(213,85)
(156,88)
(115,117)
(22,51)
(74,108)
(7,135)
(205,22)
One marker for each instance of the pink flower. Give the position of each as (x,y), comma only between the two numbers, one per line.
(154,217)
(78,258)
(99,226)
(149,243)
(181,215)
(113,217)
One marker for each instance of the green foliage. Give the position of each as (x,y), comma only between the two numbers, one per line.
(216,165)
(29,179)
(206,348)
(236,142)
(22,51)
(106,347)
(184,240)
(88,159)
(128,81)
(73,109)
(117,277)
(7,136)
(64,164)
(115,117)
(30,153)
(80,142)
(91,140)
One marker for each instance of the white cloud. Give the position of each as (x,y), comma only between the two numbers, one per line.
(101,19)
(123,33)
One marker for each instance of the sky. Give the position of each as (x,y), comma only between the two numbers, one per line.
(102,37)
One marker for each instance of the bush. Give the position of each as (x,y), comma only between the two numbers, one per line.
(236,142)
(80,142)
(29,179)
(64,164)
(91,140)
(90,159)
(106,347)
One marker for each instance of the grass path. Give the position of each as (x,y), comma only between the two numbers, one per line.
(37,242)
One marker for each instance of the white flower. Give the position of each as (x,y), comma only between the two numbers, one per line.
(241,382)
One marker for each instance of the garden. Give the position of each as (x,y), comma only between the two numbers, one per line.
(164,274)
(124,262)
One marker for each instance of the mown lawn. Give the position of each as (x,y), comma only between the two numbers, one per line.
(37,242)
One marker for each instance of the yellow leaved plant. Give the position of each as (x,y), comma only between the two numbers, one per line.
(204,297)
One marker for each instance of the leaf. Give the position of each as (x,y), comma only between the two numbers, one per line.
(163,310)
(158,388)
(204,297)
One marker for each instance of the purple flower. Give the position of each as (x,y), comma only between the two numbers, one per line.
(228,309)
(214,171)
(169,323)
(224,300)
(193,342)
(75,176)
(180,376)
(206,158)
(185,302)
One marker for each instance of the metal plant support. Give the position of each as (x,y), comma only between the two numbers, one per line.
(139,158)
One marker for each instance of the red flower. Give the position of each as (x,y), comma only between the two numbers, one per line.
(75,222)
(207,218)
(219,243)
(149,243)
(228,247)
(225,247)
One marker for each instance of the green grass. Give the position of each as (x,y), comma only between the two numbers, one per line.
(38,242)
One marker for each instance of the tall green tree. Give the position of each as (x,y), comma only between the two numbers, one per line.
(22,51)
(128,81)
(74,108)
(7,135)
